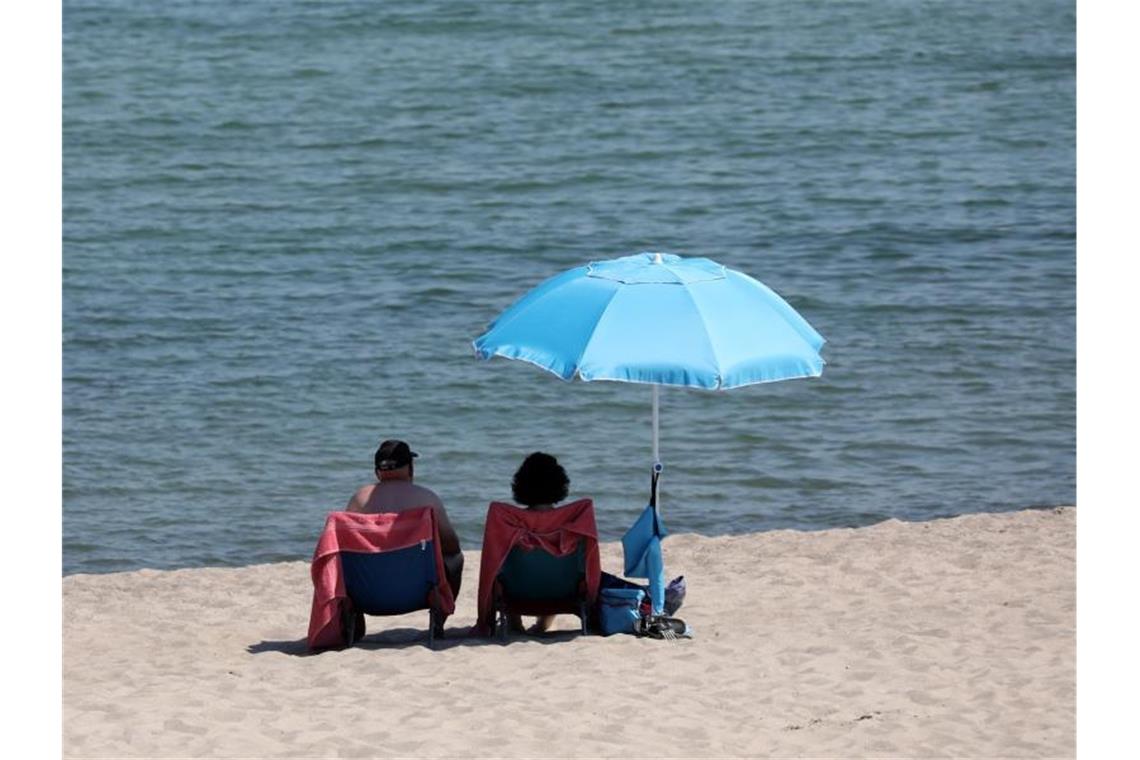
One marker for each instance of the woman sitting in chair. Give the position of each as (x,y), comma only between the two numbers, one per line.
(538,485)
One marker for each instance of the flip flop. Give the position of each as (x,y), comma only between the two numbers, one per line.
(663,627)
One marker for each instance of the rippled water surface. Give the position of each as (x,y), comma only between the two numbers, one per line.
(284,222)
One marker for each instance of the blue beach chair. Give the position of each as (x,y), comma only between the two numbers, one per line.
(376,564)
(390,583)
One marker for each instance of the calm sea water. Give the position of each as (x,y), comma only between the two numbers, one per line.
(285,221)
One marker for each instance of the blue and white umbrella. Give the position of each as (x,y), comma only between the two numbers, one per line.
(660,319)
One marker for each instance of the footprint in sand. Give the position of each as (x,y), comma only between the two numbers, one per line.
(921,698)
(177,724)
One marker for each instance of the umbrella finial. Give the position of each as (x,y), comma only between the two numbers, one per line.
(657,258)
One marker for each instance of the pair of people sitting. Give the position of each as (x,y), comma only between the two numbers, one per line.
(538,484)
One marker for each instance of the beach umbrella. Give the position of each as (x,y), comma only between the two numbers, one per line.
(659,319)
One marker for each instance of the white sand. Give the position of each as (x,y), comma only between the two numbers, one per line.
(952,637)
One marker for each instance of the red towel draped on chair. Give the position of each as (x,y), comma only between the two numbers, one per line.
(353,532)
(556,531)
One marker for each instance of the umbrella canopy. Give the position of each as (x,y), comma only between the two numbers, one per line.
(657,318)
(660,319)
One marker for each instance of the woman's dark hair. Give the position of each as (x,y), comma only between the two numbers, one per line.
(539,480)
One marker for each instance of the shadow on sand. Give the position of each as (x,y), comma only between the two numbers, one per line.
(402,638)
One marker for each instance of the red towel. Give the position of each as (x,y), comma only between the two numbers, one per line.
(556,531)
(353,532)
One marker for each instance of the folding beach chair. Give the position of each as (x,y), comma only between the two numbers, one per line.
(537,563)
(378,564)
(535,582)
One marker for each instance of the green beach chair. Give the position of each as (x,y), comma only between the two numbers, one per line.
(534,582)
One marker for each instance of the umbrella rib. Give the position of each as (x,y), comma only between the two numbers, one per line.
(593,330)
(708,335)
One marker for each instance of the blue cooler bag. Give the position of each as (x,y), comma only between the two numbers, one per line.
(619,609)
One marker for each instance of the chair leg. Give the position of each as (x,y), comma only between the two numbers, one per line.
(348,627)
(500,619)
(435,615)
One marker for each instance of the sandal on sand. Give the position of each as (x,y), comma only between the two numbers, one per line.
(662,627)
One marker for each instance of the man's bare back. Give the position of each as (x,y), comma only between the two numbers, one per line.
(399,495)
(392,496)
(396,492)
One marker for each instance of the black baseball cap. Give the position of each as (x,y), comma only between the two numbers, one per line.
(393,454)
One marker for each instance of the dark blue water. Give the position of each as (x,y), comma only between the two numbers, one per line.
(285,221)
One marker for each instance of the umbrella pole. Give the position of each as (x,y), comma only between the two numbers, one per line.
(657,467)
(656,454)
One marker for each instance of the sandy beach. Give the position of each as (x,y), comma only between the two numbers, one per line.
(952,637)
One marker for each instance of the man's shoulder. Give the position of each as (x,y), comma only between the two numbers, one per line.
(360,498)
(427,493)
(364,492)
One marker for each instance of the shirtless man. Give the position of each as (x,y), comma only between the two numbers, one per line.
(396,492)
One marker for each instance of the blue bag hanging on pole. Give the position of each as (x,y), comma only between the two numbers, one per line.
(642,547)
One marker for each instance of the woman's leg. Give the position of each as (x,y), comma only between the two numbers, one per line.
(542,624)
